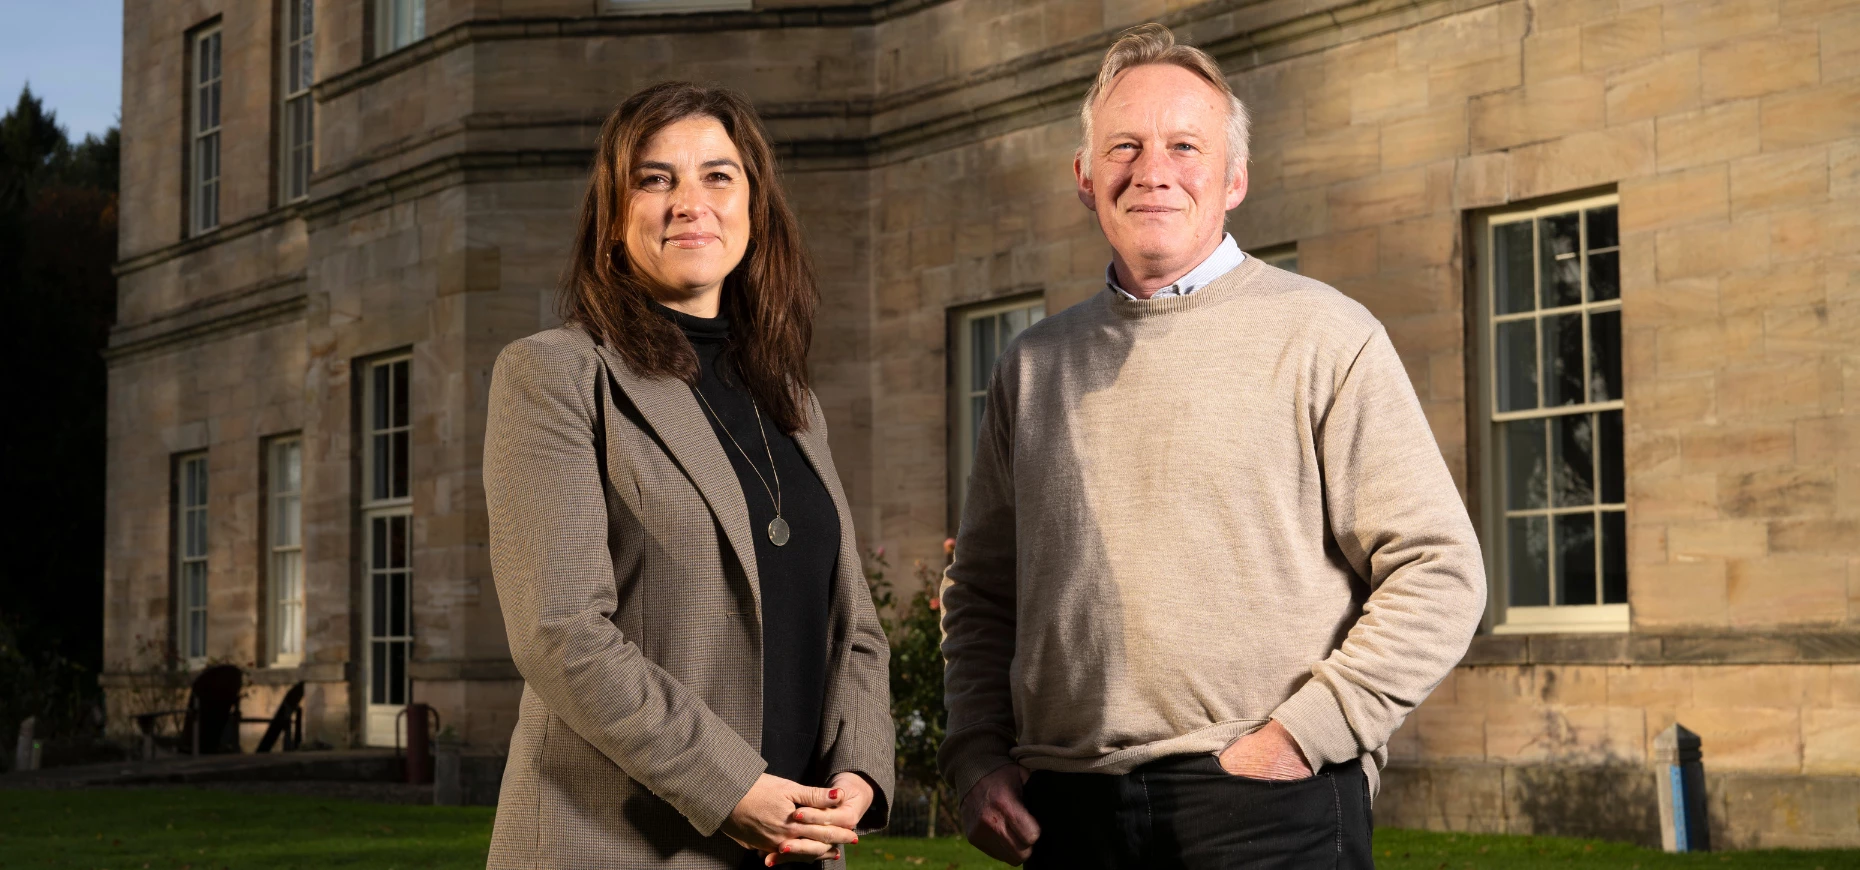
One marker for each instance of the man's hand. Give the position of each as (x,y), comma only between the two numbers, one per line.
(1269,753)
(994,818)
(764,820)
(854,797)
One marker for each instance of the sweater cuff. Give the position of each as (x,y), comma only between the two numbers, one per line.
(1315,720)
(971,754)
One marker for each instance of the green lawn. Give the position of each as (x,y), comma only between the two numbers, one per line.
(198,829)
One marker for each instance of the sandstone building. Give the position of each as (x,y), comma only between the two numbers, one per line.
(1617,243)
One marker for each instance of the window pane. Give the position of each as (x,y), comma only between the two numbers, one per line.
(377,535)
(978,405)
(1563,360)
(397,604)
(1614,557)
(378,668)
(1557,258)
(1572,462)
(1575,559)
(1602,233)
(1527,547)
(982,340)
(399,464)
(400,393)
(379,460)
(197,634)
(1604,276)
(1608,450)
(379,418)
(1524,464)
(1513,290)
(1604,356)
(397,542)
(378,606)
(397,673)
(1516,357)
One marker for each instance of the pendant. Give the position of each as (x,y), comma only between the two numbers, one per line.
(778,531)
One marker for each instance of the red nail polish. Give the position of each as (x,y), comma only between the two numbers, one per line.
(797,815)
(833,795)
(784,850)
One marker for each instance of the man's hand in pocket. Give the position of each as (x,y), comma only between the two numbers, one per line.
(1269,753)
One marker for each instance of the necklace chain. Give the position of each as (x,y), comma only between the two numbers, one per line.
(774,494)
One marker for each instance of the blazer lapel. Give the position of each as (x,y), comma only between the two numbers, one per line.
(673,413)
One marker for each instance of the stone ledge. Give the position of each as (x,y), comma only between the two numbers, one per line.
(1665,648)
(465,669)
(1618,802)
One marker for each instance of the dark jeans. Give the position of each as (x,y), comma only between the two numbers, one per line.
(1187,813)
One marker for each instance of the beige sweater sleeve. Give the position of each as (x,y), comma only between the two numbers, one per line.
(1398,519)
(978,600)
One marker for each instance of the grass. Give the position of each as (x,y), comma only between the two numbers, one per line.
(200,829)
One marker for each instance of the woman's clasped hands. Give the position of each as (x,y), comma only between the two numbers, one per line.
(792,823)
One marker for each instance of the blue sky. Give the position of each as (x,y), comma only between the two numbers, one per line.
(72,53)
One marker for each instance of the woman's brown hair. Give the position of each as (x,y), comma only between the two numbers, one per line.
(769,297)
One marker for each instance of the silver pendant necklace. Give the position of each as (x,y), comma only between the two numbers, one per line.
(778,527)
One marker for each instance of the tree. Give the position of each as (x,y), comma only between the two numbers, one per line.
(57,302)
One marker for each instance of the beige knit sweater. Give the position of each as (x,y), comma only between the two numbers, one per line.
(1188,516)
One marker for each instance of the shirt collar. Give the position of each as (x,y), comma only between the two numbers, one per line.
(1226,256)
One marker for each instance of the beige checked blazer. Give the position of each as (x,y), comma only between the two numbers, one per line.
(621,550)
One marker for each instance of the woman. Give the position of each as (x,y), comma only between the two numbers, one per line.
(705,677)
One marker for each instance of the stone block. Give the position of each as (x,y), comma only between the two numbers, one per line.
(1606,801)
(1840,44)
(1576,685)
(1661,86)
(1745,685)
(1811,115)
(1718,539)
(1646,544)
(1784,284)
(1688,348)
(1383,198)
(1800,490)
(1537,112)
(1686,25)
(1687,300)
(1375,96)
(1485,179)
(1650,686)
(1560,14)
(1553,54)
(1707,249)
(1710,135)
(1679,594)
(1494,686)
(1352,152)
(1430,135)
(1788,590)
(1675,198)
(1580,160)
(1339,256)
(1844,169)
(1631,36)
(1813,232)
(1786,178)
(1421,242)
(1844,685)
(1828,440)
(1773,392)
(1449,732)
(1776,61)
(1676,401)
(1453,80)
(1746,738)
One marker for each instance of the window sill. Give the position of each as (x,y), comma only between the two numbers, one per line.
(1587,619)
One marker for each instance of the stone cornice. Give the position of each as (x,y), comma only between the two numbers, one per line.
(225,233)
(272,300)
(1666,648)
(467,32)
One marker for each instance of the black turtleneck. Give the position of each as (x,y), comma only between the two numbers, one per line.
(796,579)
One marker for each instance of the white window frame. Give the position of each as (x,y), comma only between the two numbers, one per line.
(659,7)
(296,107)
(970,387)
(398,24)
(284,550)
(387,505)
(191,548)
(1507,619)
(203,108)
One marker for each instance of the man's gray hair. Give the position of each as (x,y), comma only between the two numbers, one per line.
(1154,43)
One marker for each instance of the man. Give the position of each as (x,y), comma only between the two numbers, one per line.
(1211,555)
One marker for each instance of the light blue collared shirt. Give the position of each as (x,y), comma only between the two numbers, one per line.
(1226,256)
